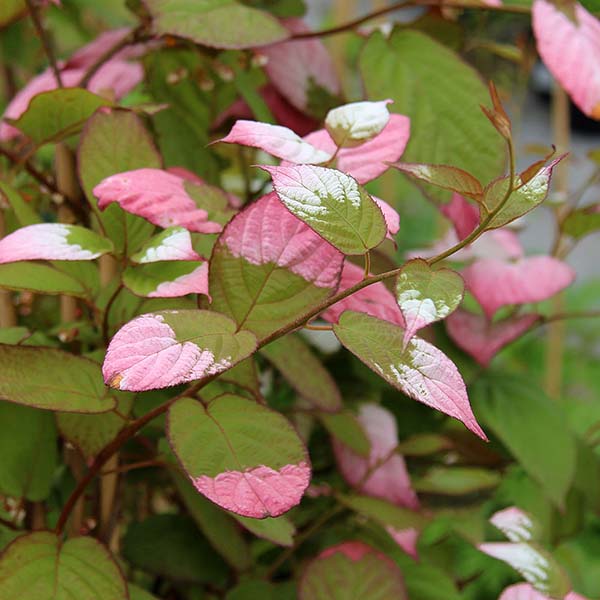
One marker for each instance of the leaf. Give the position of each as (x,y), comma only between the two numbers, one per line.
(174,243)
(443,176)
(90,433)
(345,427)
(170,347)
(385,513)
(240,455)
(582,222)
(52,379)
(24,213)
(419,370)
(156,195)
(483,339)
(463,215)
(138,593)
(527,280)
(41,278)
(524,419)
(11,10)
(268,268)
(276,140)
(456,481)
(52,241)
(447,124)
(251,590)
(278,530)
(369,160)
(218,527)
(517,525)
(331,203)
(219,24)
(171,546)
(167,279)
(304,371)
(40,565)
(566,41)
(352,569)
(524,591)
(388,477)
(354,124)
(29,452)
(523,199)
(55,115)
(535,565)
(114,141)
(426,295)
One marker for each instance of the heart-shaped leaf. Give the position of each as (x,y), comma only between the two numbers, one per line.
(354,124)
(174,243)
(426,295)
(528,280)
(276,140)
(169,279)
(53,241)
(418,369)
(352,569)
(52,379)
(239,454)
(41,565)
(268,268)
(162,349)
(333,204)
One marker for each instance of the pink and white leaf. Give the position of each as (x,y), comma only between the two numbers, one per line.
(174,243)
(52,241)
(391,480)
(375,299)
(569,44)
(495,283)
(195,282)
(391,216)
(275,140)
(525,591)
(157,196)
(483,339)
(354,124)
(516,524)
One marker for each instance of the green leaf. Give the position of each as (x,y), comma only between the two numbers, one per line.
(428,583)
(52,379)
(218,23)
(50,278)
(160,279)
(40,565)
(211,199)
(445,177)
(525,419)
(304,372)
(218,527)
(236,443)
(171,546)
(25,214)
(582,222)
(333,204)
(114,141)
(447,125)
(279,8)
(90,433)
(137,593)
(383,512)
(345,426)
(29,452)
(11,10)
(278,530)
(424,444)
(55,115)
(456,481)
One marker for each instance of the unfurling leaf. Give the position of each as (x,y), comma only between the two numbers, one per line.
(443,176)
(268,268)
(331,203)
(419,369)
(354,124)
(426,295)
(240,455)
(52,379)
(158,196)
(41,565)
(497,116)
(162,349)
(352,569)
(167,279)
(52,241)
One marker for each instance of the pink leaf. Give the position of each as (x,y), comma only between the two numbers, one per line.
(392,218)
(353,550)
(375,300)
(195,282)
(276,140)
(463,215)
(294,66)
(390,481)
(257,492)
(266,232)
(406,539)
(483,339)
(495,283)
(569,45)
(157,196)
(525,591)
(368,161)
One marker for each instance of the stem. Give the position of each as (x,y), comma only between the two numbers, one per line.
(37,175)
(105,318)
(367,265)
(8,314)
(45,39)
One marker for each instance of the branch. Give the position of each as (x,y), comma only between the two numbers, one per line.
(37,175)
